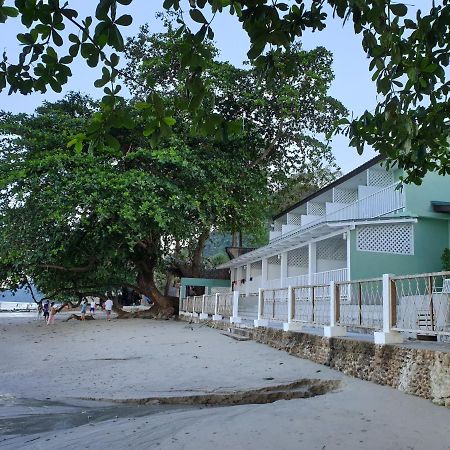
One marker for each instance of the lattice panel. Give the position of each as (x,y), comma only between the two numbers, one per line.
(332,249)
(316,209)
(380,178)
(274,260)
(397,239)
(273,267)
(298,257)
(277,225)
(342,195)
(256,269)
(294,219)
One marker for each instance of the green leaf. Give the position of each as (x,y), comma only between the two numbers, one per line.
(170,121)
(399,9)
(197,16)
(124,20)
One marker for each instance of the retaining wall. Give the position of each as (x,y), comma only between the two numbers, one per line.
(416,371)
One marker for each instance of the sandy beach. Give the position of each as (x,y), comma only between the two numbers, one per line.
(59,387)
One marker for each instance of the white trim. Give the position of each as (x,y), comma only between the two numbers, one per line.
(373,222)
(259,254)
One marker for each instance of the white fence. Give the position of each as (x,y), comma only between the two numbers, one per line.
(421,303)
(360,303)
(388,306)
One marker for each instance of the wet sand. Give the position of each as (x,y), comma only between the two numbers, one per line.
(48,372)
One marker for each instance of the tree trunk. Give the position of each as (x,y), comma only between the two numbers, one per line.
(165,305)
(197,257)
(169,282)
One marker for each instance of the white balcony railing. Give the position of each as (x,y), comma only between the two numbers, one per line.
(301,280)
(385,201)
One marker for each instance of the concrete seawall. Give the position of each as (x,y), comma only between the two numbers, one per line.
(424,372)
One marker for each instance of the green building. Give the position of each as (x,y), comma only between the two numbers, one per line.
(360,226)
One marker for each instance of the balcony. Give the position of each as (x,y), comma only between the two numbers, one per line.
(385,201)
(317,278)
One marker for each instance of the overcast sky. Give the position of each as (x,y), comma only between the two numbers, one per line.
(352,84)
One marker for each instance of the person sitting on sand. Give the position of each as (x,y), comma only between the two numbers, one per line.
(46,308)
(53,311)
(83,310)
(108,308)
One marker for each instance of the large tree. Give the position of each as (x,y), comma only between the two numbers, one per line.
(106,216)
(87,220)
(408,53)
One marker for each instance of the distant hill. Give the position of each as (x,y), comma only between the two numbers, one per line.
(20,296)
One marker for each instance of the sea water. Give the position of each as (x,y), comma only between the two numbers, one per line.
(17,306)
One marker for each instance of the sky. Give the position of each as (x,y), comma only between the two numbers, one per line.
(352,85)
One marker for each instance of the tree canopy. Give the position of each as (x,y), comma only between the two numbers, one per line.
(94,219)
(78,217)
(407,49)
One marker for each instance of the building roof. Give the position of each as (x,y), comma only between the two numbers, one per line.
(335,183)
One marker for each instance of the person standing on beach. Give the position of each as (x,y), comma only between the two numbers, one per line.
(92,308)
(39,310)
(53,311)
(108,308)
(83,310)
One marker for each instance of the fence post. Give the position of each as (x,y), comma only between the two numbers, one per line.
(388,335)
(203,315)
(193,313)
(334,329)
(235,316)
(290,325)
(216,315)
(260,322)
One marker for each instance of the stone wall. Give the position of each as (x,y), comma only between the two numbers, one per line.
(421,372)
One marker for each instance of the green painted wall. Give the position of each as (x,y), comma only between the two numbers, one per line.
(434,188)
(209,283)
(430,238)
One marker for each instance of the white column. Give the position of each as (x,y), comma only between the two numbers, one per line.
(290,325)
(235,316)
(312,261)
(349,249)
(238,277)
(334,330)
(264,272)
(388,336)
(216,315)
(284,269)
(247,280)
(203,315)
(260,322)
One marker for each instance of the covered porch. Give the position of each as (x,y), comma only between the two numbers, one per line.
(317,262)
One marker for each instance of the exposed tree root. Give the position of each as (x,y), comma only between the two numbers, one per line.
(155,312)
(77,317)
